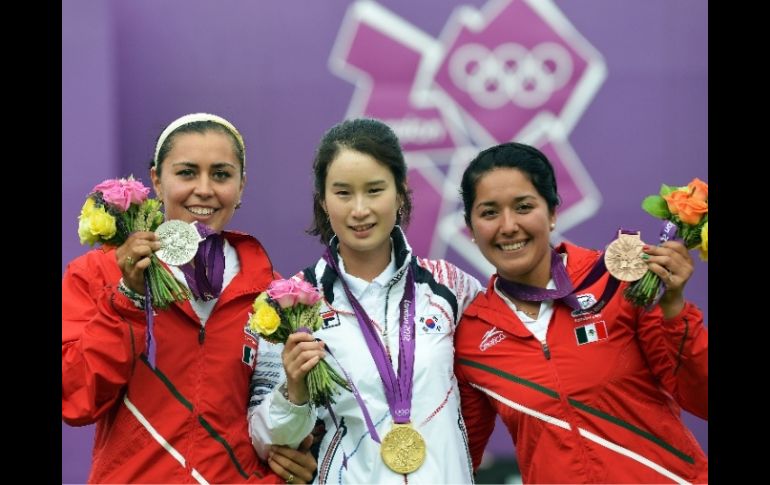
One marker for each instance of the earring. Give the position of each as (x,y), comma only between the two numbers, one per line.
(400,211)
(238,205)
(553,226)
(473,240)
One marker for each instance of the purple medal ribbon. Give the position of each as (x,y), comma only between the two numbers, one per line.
(205,279)
(149,316)
(667,233)
(564,291)
(398,389)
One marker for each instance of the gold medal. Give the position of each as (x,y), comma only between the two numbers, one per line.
(623,257)
(403,449)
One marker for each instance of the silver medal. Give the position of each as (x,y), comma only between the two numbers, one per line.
(178,242)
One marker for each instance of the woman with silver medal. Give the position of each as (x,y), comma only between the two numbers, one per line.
(389,321)
(168,389)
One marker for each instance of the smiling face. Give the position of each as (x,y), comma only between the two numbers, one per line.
(362,202)
(511,223)
(200,179)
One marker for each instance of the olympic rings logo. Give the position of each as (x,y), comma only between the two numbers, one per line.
(510,73)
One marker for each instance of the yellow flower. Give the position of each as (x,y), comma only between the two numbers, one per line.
(84,224)
(265,320)
(102,223)
(84,231)
(704,245)
(88,207)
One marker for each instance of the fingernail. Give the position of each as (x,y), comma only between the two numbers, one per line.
(645,256)
(646,247)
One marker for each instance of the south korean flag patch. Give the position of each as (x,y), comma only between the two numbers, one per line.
(432,324)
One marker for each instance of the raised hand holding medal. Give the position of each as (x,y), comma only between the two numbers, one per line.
(178,242)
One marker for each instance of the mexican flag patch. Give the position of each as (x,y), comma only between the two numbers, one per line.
(593,332)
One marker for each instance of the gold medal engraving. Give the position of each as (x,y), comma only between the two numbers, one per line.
(623,257)
(403,449)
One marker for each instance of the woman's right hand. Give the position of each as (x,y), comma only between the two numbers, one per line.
(134,257)
(300,354)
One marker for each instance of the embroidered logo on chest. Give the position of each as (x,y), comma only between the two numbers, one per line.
(586,300)
(593,332)
(330,319)
(491,338)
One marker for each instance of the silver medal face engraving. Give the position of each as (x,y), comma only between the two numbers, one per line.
(178,242)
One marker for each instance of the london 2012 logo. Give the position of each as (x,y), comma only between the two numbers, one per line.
(512,70)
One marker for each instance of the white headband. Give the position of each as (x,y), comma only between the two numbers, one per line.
(191,118)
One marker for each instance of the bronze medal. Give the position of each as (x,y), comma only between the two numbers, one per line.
(623,257)
(403,449)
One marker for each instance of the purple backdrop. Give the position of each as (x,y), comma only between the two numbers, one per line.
(631,113)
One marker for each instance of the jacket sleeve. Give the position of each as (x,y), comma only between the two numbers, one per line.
(272,418)
(102,335)
(478,415)
(676,350)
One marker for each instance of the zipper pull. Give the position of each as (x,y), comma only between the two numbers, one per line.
(546,350)
(202,335)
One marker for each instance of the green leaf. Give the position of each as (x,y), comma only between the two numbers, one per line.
(656,206)
(665,190)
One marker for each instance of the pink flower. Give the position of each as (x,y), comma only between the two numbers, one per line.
(284,292)
(308,295)
(122,192)
(288,293)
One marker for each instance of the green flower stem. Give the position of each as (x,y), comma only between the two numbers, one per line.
(643,291)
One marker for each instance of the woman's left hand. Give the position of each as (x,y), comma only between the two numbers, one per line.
(671,261)
(294,466)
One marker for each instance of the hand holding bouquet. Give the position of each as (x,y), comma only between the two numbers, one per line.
(686,209)
(289,306)
(113,210)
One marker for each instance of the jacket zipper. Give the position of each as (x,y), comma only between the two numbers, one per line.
(546,350)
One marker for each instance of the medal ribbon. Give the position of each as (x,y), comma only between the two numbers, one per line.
(564,291)
(667,233)
(205,279)
(398,389)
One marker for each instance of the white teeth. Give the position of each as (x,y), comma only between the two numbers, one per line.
(362,228)
(201,211)
(513,247)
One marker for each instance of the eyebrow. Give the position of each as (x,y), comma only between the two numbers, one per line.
(369,184)
(214,165)
(490,203)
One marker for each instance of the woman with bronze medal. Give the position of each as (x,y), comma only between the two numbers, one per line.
(389,320)
(589,386)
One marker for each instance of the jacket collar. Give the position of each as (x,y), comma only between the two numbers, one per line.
(491,308)
(255,274)
(401,251)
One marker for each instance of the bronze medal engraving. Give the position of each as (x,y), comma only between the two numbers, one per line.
(403,449)
(623,257)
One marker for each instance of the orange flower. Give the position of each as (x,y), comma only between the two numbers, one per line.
(689,203)
(699,190)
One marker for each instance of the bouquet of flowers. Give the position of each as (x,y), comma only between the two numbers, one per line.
(114,209)
(289,306)
(685,210)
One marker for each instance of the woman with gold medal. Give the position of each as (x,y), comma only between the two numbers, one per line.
(389,322)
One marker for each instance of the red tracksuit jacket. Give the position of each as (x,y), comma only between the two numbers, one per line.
(185,420)
(599,404)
